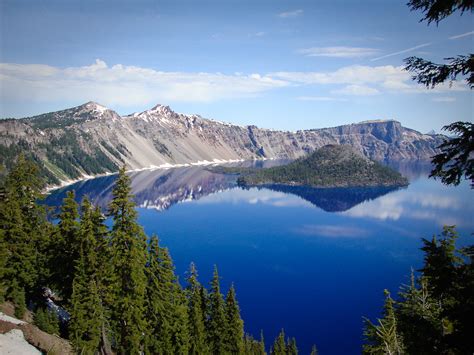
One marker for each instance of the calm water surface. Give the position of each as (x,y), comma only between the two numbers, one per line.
(313,262)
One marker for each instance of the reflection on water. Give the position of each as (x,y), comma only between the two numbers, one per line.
(334,199)
(161,189)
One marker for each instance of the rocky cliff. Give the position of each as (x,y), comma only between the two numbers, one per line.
(92,139)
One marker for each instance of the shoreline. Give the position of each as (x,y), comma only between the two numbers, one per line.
(164,166)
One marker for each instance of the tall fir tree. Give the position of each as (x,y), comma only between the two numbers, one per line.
(128,258)
(279,345)
(291,348)
(159,305)
(87,311)
(196,321)
(24,232)
(216,323)
(384,337)
(67,246)
(234,331)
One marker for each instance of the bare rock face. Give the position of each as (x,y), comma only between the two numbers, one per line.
(92,139)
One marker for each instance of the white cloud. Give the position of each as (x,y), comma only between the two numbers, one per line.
(462,35)
(357,90)
(126,85)
(332,231)
(339,52)
(290,14)
(319,98)
(401,52)
(359,78)
(444,99)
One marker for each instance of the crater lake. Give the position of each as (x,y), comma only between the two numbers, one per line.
(311,261)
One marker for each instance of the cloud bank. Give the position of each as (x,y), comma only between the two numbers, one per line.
(127,86)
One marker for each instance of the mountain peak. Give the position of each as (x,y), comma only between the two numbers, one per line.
(94,106)
(163,109)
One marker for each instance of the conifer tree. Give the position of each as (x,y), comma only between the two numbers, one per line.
(234,331)
(279,345)
(24,229)
(87,313)
(291,348)
(217,321)
(46,320)
(128,258)
(384,337)
(67,245)
(262,343)
(252,346)
(197,330)
(159,305)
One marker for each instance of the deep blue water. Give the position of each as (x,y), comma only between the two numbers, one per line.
(313,262)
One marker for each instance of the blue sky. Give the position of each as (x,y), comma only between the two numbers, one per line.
(277,64)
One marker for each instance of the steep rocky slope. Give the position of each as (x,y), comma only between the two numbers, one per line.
(91,139)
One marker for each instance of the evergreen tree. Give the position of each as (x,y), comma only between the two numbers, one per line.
(87,313)
(24,232)
(128,258)
(384,337)
(234,331)
(419,313)
(159,313)
(217,321)
(291,348)
(252,346)
(46,320)
(314,350)
(279,345)
(197,330)
(67,246)
(262,343)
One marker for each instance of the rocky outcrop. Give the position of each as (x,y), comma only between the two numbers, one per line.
(91,139)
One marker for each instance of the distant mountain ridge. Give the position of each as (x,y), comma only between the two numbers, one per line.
(91,139)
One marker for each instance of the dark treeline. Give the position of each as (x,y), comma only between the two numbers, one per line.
(118,286)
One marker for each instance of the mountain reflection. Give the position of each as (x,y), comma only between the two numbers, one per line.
(161,189)
(334,199)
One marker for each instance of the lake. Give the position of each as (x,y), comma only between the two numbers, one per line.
(311,261)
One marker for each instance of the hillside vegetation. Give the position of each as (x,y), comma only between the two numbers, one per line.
(329,166)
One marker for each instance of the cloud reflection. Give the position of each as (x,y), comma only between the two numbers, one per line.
(419,203)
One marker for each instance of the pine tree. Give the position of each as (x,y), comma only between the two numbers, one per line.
(46,320)
(158,300)
(66,246)
(291,348)
(262,343)
(217,321)
(279,345)
(128,258)
(384,337)
(197,330)
(234,331)
(87,313)
(24,232)
(252,346)
(419,313)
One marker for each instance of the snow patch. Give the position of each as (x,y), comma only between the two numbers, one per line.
(9,319)
(14,343)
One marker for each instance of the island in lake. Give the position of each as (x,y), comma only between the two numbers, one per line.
(329,166)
